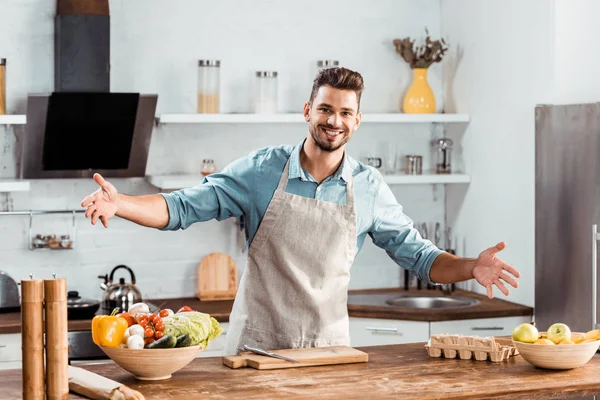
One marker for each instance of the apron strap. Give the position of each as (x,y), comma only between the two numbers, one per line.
(349,185)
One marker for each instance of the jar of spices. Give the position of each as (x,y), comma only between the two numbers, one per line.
(208,167)
(265,92)
(323,64)
(209,85)
(443,155)
(2,86)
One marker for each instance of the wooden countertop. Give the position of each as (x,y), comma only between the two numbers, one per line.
(220,310)
(397,371)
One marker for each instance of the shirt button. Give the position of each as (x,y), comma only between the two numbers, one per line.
(319,189)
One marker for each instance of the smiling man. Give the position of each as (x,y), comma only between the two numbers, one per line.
(308,210)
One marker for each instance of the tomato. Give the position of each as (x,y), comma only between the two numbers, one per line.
(184,309)
(154,318)
(148,332)
(130,320)
(163,313)
(143,320)
(159,326)
(148,341)
(158,335)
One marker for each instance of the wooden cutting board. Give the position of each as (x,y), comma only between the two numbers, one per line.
(217,277)
(307,357)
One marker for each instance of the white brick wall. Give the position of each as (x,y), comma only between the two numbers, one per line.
(246,36)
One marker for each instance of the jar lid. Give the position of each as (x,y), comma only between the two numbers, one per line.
(209,63)
(2,61)
(266,74)
(207,160)
(328,63)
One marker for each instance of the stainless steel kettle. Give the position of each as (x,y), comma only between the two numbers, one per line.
(120,295)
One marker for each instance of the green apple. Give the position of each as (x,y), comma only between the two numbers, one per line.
(526,333)
(559,332)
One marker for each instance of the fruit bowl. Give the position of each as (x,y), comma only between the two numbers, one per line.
(152,364)
(560,356)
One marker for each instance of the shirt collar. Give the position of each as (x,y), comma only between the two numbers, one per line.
(343,172)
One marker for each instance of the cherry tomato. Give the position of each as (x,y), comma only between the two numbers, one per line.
(163,313)
(148,332)
(143,320)
(184,309)
(148,341)
(154,318)
(159,326)
(130,320)
(158,335)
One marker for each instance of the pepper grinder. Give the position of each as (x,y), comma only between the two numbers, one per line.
(2,86)
(32,338)
(57,339)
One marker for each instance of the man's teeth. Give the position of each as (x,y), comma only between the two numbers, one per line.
(332,133)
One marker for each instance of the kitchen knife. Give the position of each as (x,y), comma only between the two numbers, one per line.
(262,352)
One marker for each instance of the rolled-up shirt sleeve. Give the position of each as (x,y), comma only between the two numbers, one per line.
(394,232)
(220,196)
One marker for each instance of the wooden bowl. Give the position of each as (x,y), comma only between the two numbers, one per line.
(152,364)
(558,356)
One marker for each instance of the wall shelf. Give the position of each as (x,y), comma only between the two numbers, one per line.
(395,118)
(174,182)
(12,185)
(15,119)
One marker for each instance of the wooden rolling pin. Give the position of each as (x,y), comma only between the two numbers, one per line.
(57,339)
(97,387)
(32,339)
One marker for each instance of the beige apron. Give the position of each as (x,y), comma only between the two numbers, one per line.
(294,290)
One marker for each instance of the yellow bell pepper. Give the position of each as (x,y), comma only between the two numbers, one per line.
(108,330)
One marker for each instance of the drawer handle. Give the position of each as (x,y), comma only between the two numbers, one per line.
(489,328)
(387,330)
(2,345)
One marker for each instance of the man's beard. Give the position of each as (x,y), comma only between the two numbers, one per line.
(326,146)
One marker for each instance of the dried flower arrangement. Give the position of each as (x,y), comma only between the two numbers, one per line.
(421,56)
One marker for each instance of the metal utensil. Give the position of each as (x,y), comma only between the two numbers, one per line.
(267,353)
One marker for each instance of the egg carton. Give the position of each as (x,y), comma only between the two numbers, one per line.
(469,347)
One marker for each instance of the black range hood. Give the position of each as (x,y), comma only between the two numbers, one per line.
(82,128)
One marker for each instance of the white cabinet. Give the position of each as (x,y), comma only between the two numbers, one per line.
(480,327)
(216,347)
(10,350)
(374,331)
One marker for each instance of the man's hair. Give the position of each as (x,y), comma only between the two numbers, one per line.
(338,78)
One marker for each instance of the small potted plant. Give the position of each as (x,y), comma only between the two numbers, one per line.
(419,98)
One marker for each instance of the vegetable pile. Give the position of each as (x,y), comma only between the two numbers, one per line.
(138,328)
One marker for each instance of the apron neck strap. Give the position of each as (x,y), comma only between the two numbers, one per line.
(349,185)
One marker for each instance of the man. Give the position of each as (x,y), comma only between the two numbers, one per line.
(308,209)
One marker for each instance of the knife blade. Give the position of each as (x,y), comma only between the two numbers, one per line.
(262,352)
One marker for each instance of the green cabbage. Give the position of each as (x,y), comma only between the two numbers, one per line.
(201,327)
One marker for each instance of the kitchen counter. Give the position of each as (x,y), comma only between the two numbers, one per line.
(397,371)
(220,310)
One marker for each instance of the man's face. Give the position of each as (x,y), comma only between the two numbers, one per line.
(332,117)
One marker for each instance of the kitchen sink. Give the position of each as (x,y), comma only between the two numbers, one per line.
(432,302)
(411,300)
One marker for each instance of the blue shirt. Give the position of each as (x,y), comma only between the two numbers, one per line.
(245,188)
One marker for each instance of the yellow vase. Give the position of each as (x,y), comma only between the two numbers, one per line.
(419,98)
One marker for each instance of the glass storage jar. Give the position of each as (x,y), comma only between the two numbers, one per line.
(208,167)
(443,155)
(322,64)
(209,83)
(265,92)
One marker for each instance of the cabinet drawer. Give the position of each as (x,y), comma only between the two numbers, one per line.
(10,347)
(216,347)
(373,331)
(480,327)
